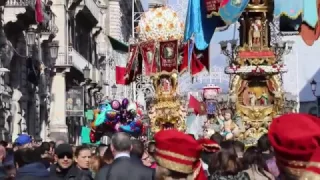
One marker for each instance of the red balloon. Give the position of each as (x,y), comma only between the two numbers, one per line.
(92,136)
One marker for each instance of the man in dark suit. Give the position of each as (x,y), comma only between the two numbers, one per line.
(123,167)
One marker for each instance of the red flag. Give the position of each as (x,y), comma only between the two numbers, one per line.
(38,11)
(148,52)
(184,65)
(203,56)
(197,106)
(196,65)
(120,75)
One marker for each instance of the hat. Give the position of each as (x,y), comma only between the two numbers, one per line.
(179,152)
(63,149)
(295,139)
(209,145)
(23,139)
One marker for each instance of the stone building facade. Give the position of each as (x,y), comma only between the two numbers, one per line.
(24,67)
(81,46)
(33,84)
(119,24)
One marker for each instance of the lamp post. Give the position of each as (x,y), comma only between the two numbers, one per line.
(86,72)
(53,49)
(31,36)
(282,48)
(114,90)
(232,52)
(313,84)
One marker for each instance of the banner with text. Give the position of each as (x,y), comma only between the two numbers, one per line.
(133,50)
(75,101)
(148,51)
(169,56)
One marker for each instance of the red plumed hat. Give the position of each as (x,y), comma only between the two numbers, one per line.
(209,145)
(296,142)
(179,152)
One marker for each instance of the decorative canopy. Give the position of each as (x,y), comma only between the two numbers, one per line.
(160,24)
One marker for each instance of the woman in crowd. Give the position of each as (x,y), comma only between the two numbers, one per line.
(255,166)
(95,164)
(146,159)
(151,150)
(225,165)
(82,161)
(268,156)
(107,156)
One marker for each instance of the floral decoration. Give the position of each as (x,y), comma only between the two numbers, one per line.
(256,69)
(160,24)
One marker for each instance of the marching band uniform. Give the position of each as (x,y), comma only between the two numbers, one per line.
(296,142)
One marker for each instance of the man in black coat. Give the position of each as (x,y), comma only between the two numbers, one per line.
(124,167)
(28,165)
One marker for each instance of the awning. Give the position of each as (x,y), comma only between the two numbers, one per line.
(118,45)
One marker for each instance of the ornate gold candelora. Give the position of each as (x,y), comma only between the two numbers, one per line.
(256,68)
(167,110)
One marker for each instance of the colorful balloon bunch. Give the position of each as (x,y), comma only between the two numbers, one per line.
(113,116)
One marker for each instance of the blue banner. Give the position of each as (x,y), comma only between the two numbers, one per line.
(310,12)
(291,10)
(200,27)
(232,10)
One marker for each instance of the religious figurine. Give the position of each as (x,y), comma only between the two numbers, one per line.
(228,128)
(165,85)
(256,33)
(168,52)
(252,98)
(264,98)
(150,56)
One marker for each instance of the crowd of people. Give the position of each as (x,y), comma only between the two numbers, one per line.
(290,151)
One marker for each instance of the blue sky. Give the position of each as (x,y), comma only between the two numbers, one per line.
(144,4)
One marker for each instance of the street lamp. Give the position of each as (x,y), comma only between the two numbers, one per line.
(114,90)
(313,84)
(282,48)
(86,72)
(54,49)
(31,36)
(230,53)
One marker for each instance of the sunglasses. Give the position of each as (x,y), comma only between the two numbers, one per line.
(68,155)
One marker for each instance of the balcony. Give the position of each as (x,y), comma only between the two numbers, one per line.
(63,60)
(89,6)
(19,3)
(50,27)
(23,7)
(93,7)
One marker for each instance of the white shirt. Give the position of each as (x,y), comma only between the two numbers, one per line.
(122,154)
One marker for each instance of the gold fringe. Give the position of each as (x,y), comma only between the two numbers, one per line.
(213,13)
(174,166)
(175,155)
(291,17)
(309,175)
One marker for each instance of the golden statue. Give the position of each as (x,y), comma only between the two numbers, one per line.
(168,111)
(255,87)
